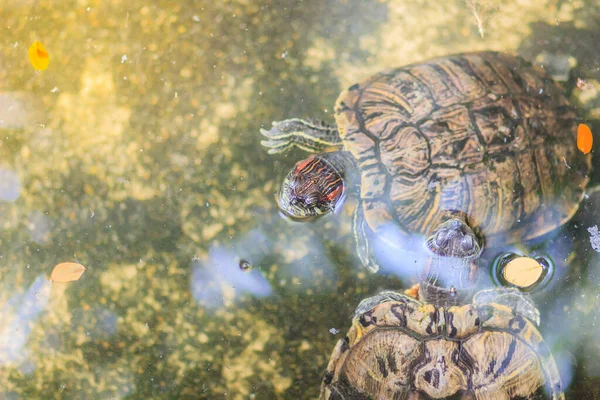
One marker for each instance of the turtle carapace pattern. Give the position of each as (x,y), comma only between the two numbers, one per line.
(399,348)
(487,137)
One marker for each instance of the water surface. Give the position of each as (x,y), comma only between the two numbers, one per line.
(137,154)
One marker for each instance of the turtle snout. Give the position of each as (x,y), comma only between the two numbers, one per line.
(304,201)
(301,207)
(311,199)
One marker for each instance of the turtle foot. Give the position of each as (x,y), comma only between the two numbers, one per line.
(454,238)
(308,135)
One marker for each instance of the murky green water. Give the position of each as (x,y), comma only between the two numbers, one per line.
(137,154)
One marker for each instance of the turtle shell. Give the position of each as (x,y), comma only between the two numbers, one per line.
(402,349)
(487,134)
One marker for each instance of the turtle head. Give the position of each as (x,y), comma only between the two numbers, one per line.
(451,273)
(313,188)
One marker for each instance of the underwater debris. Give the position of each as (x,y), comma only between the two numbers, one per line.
(585,140)
(38,56)
(584,85)
(480,10)
(413,291)
(67,272)
(595,238)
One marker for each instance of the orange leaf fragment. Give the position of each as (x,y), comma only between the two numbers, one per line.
(413,291)
(67,272)
(38,56)
(584,138)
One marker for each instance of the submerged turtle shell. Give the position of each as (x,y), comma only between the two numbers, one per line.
(485,133)
(402,349)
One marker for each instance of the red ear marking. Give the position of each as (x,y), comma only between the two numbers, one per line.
(302,164)
(336,193)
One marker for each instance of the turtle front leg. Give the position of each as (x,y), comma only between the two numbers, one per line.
(363,248)
(520,303)
(308,135)
(382,297)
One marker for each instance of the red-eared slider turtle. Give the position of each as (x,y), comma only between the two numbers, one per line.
(486,140)
(443,345)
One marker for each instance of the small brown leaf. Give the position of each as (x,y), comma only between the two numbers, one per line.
(67,272)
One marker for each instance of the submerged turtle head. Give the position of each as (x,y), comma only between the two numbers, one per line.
(451,273)
(313,188)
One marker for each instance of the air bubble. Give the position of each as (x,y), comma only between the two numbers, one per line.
(245,265)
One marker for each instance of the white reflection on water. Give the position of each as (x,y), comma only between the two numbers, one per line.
(305,259)
(17,316)
(398,253)
(219,281)
(40,227)
(18,109)
(10,186)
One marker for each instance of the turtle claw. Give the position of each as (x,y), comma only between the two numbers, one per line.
(272,133)
(275,146)
(521,303)
(277,141)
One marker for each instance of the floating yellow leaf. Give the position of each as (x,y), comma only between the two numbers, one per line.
(523,271)
(38,56)
(67,272)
